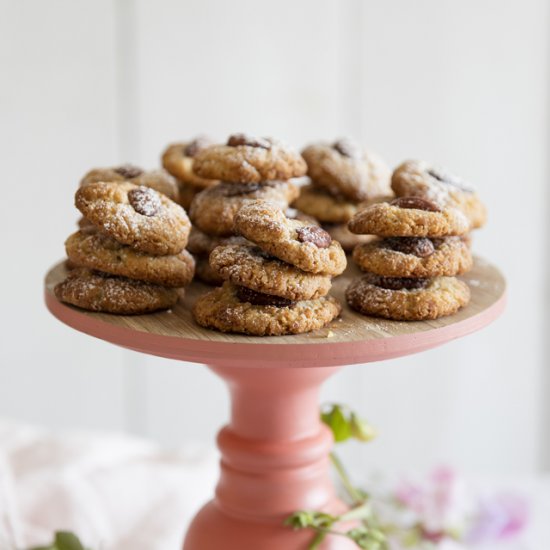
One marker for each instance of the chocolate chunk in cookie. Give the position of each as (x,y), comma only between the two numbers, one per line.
(418,246)
(313,234)
(259,299)
(145,201)
(237,140)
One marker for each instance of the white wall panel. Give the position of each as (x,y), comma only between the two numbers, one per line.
(58,113)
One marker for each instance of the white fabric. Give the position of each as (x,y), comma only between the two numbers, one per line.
(115,492)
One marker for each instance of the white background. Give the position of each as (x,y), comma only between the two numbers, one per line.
(465,84)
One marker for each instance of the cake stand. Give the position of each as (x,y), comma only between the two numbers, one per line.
(275,450)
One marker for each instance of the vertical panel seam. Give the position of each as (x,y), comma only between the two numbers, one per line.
(128,150)
(544,441)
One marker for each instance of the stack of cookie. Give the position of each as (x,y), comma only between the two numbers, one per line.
(129,257)
(343,175)
(178,160)
(278,283)
(250,168)
(423,245)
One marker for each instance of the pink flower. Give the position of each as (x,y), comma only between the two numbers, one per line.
(439,504)
(500,517)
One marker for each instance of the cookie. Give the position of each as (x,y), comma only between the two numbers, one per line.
(96,250)
(97,291)
(234,309)
(205,273)
(294,214)
(214,209)
(179,158)
(417,178)
(83,223)
(298,243)
(409,217)
(414,257)
(348,240)
(137,216)
(249,159)
(251,267)
(343,168)
(323,206)
(202,244)
(159,180)
(187,192)
(404,299)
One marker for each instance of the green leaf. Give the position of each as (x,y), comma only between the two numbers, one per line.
(338,423)
(65,540)
(300,520)
(307,518)
(368,539)
(361,429)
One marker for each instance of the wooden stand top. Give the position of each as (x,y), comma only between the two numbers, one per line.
(353,338)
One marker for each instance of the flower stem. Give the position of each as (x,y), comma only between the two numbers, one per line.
(317,540)
(353,493)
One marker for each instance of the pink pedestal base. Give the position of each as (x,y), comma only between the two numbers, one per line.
(274,462)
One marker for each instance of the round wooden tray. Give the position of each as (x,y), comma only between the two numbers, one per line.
(351,339)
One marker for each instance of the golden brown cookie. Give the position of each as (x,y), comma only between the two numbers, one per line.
(213,210)
(414,257)
(345,169)
(251,267)
(348,240)
(295,214)
(249,159)
(159,180)
(417,178)
(101,252)
(409,217)
(179,158)
(323,206)
(303,245)
(83,223)
(235,309)
(404,299)
(205,273)
(187,192)
(96,291)
(137,216)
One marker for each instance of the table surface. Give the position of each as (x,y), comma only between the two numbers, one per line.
(353,338)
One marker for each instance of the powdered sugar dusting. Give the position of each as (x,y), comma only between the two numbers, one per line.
(145,201)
